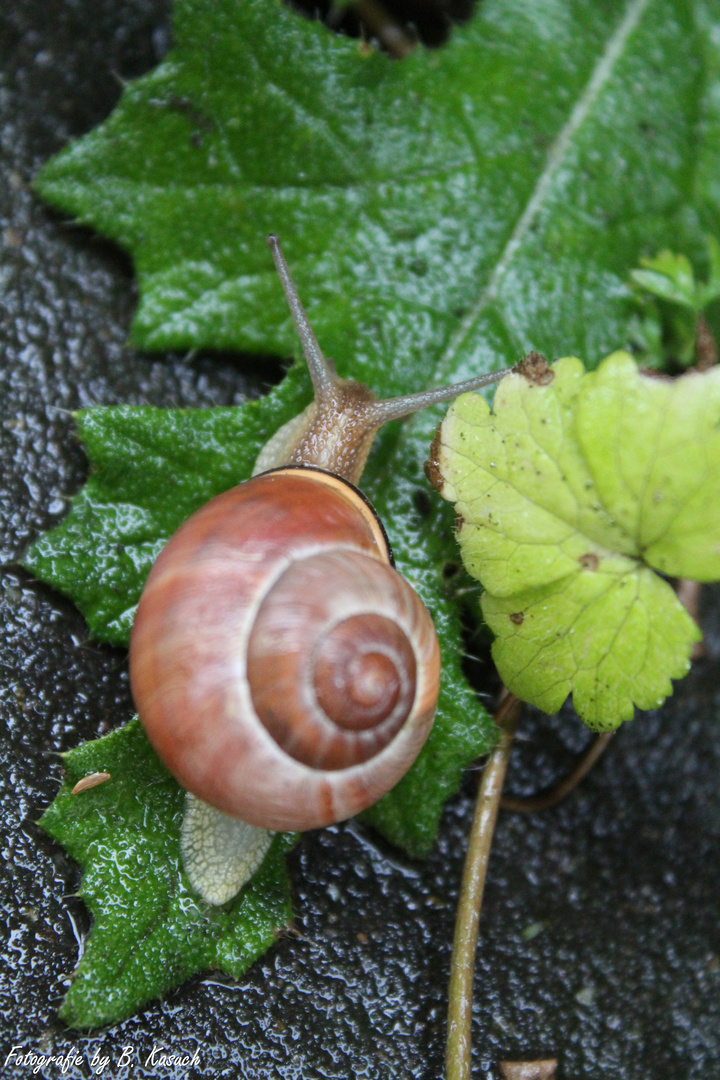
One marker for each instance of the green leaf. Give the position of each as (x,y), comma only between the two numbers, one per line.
(572,492)
(666,335)
(514,176)
(155,932)
(645,334)
(670,277)
(653,450)
(152,468)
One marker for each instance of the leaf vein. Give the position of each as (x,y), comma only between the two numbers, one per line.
(600,76)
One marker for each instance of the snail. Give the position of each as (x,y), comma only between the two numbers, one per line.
(283,670)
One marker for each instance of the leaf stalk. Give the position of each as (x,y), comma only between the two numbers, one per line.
(532,804)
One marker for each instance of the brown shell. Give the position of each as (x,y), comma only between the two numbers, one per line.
(283,670)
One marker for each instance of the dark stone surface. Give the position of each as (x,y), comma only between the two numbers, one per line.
(623,881)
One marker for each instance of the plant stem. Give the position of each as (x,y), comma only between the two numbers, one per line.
(706,350)
(688,593)
(462,967)
(531,804)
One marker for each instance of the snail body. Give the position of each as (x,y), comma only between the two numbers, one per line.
(284,671)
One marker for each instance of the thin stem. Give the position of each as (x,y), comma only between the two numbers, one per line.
(688,593)
(545,799)
(706,350)
(462,968)
(321,371)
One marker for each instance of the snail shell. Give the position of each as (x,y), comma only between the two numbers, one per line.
(283,670)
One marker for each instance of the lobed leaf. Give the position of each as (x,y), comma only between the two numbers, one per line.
(150,930)
(152,468)
(571,493)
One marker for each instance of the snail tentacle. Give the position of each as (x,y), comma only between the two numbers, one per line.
(322,371)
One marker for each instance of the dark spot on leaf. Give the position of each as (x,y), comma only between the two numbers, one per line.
(517,617)
(202,123)
(422,503)
(589,561)
(404,234)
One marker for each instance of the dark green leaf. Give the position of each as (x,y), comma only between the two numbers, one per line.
(154,932)
(152,468)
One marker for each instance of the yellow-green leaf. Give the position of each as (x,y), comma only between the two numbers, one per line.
(572,492)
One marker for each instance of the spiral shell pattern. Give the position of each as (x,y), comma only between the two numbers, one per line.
(283,670)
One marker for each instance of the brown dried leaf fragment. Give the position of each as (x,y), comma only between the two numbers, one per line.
(535,369)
